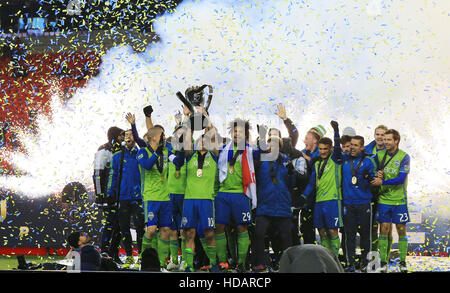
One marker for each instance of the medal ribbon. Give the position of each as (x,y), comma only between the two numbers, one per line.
(236,154)
(200,160)
(354,172)
(382,165)
(323,167)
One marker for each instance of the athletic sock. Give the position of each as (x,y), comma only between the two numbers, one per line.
(189,254)
(163,251)
(335,244)
(183,248)
(221,247)
(325,242)
(389,246)
(146,243)
(174,248)
(243,244)
(403,247)
(211,253)
(203,242)
(383,246)
(154,241)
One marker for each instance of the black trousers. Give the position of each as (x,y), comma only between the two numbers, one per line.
(281,227)
(354,215)
(307,226)
(131,209)
(110,238)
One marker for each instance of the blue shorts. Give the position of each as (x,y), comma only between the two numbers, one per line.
(177,210)
(328,214)
(198,212)
(236,205)
(392,214)
(200,232)
(158,213)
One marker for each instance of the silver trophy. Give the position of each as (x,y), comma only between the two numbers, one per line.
(195,96)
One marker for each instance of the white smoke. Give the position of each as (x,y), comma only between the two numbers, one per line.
(363,63)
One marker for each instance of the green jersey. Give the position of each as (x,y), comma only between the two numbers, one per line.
(233,182)
(154,184)
(394,194)
(201,184)
(176,185)
(328,187)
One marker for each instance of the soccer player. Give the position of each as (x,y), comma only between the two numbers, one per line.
(177,186)
(378,143)
(310,152)
(392,178)
(372,149)
(358,170)
(237,192)
(325,181)
(124,186)
(153,163)
(198,206)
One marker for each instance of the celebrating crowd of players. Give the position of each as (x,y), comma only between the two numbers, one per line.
(230,201)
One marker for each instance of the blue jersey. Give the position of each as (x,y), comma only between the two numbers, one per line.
(361,192)
(371,149)
(274,199)
(130,185)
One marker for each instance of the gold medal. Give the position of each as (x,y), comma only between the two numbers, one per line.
(199,173)
(231,169)
(354,180)
(177,174)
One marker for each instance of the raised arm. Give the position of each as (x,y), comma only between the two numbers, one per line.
(148,110)
(132,120)
(290,126)
(337,151)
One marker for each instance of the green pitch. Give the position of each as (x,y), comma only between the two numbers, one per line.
(9,262)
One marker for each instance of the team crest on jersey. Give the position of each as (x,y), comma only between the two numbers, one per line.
(151,215)
(184,221)
(397,163)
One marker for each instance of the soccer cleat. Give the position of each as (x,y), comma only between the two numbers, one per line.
(260,269)
(173,267)
(215,269)
(224,266)
(240,268)
(403,267)
(181,266)
(128,262)
(188,269)
(205,268)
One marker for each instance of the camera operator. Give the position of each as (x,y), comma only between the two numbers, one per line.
(110,238)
